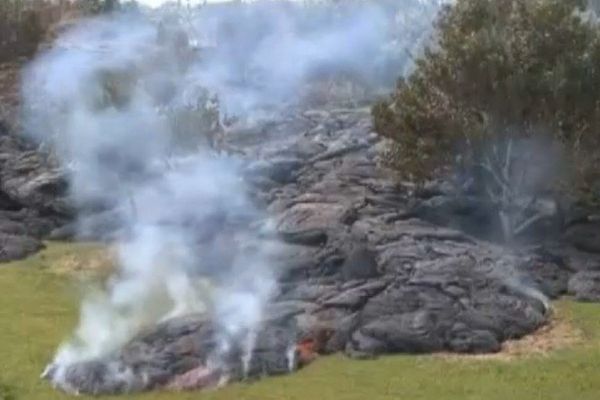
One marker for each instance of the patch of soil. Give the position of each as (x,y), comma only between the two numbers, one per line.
(92,264)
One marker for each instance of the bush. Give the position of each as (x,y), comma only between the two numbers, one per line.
(504,82)
(195,125)
(21,28)
(24,24)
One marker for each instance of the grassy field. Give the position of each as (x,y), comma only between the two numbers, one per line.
(38,308)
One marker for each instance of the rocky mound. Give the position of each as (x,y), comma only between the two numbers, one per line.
(359,273)
(32,190)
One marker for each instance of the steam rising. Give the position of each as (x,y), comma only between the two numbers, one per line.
(99,96)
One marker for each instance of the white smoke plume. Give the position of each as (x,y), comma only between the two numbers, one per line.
(98,98)
(260,54)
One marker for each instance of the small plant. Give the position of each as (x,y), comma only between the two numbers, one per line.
(500,99)
(197,124)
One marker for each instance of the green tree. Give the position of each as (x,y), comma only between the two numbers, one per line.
(508,89)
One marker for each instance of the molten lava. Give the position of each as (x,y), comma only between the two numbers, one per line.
(306,351)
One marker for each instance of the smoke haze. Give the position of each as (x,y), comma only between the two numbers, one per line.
(99,96)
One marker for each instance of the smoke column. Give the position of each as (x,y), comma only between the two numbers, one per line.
(98,99)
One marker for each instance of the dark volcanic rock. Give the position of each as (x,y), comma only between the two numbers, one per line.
(165,355)
(414,332)
(13,247)
(550,277)
(585,286)
(360,264)
(30,181)
(32,201)
(307,237)
(280,171)
(358,271)
(585,237)
(467,213)
(421,314)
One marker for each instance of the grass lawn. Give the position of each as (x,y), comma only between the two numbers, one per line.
(38,308)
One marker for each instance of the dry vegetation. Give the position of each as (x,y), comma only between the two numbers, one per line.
(24,24)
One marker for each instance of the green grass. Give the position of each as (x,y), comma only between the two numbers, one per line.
(38,308)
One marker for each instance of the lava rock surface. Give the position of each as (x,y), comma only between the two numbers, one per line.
(358,272)
(32,198)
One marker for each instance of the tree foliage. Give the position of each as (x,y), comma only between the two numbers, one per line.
(499,70)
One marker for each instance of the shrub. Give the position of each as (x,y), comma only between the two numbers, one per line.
(21,28)
(24,24)
(197,124)
(504,82)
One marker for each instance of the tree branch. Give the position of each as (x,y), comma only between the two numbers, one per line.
(527,223)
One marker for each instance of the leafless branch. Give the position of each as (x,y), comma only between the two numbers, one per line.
(528,222)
